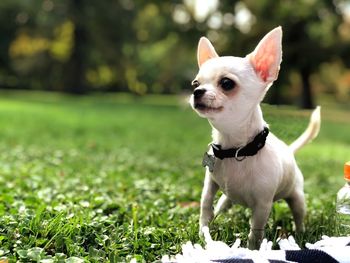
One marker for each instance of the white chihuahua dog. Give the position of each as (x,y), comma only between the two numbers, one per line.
(251,166)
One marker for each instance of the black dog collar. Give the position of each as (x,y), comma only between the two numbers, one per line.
(250,149)
(239,154)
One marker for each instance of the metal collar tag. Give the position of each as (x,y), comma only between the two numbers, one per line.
(209,161)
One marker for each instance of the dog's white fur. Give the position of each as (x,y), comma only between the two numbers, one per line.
(236,118)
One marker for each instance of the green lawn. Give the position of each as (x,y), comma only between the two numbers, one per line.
(108,178)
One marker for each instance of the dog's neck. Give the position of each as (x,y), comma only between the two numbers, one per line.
(238,131)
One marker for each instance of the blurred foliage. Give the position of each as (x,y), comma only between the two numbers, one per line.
(149,46)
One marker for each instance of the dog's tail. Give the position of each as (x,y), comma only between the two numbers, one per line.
(311,131)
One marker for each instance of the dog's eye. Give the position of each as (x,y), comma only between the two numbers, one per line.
(195,84)
(227,84)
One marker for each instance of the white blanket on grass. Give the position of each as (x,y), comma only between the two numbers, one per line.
(329,249)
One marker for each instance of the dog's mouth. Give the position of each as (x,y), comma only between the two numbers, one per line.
(205,108)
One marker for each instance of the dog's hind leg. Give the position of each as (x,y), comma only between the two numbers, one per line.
(296,203)
(223,204)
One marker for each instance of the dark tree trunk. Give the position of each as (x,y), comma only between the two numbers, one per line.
(306,97)
(75,68)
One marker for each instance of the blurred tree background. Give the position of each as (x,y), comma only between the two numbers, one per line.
(144,47)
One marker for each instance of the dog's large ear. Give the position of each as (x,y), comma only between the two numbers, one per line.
(267,56)
(205,51)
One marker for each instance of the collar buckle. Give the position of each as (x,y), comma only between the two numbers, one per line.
(239,158)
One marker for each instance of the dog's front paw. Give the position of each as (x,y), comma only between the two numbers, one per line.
(204,233)
(206,217)
(202,230)
(255,238)
(300,229)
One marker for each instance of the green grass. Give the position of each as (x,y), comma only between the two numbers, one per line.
(108,178)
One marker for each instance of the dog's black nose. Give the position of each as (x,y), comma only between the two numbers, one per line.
(198,93)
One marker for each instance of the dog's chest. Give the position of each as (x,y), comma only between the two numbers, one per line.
(236,179)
